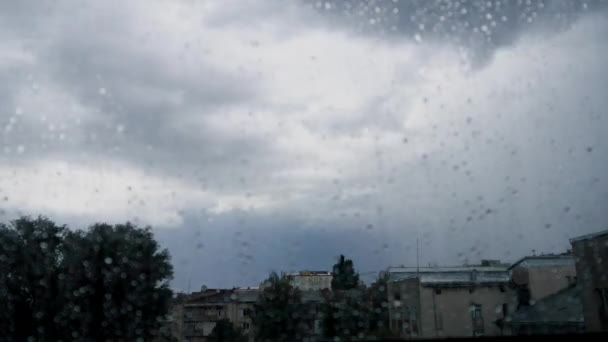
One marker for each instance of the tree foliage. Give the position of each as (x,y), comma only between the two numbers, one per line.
(345,311)
(225,331)
(106,283)
(344,275)
(278,313)
(378,301)
(345,315)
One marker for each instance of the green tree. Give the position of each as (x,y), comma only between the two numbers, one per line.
(344,275)
(120,280)
(225,331)
(108,283)
(278,313)
(345,315)
(378,302)
(345,310)
(31,259)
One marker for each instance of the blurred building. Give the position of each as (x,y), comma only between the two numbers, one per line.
(537,277)
(308,280)
(201,311)
(204,309)
(591,252)
(431,302)
(171,325)
(558,313)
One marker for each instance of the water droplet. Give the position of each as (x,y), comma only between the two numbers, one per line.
(102,91)
(108,261)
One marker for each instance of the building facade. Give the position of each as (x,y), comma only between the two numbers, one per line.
(537,277)
(308,280)
(203,310)
(558,313)
(432,302)
(591,253)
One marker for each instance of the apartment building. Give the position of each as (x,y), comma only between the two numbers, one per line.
(432,302)
(308,280)
(591,254)
(539,276)
(204,309)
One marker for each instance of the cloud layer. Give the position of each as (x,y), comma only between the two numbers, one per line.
(259,135)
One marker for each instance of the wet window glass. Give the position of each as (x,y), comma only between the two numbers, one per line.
(306,170)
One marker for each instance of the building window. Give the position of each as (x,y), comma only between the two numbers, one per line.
(523,296)
(603,300)
(397,296)
(571,280)
(245,312)
(439,322)
(477,318)
(245,326)
(476,311)
(438,291)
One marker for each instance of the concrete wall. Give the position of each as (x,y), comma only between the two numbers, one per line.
(447,312)
(592,267)
(311,282)
(548,280)
(200,319)
(404,307)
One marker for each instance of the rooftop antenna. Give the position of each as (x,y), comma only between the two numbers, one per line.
(417,260)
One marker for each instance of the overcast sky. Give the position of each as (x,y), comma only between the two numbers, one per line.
(274,135)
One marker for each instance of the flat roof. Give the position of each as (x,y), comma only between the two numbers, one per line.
(445,269)
(536,260)
(590,236)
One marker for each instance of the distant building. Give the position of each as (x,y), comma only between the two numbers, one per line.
(308,280)
(312,301)
(204,309)
(537,277)
(171,324)
(430,302)
(591,252)
(559,313)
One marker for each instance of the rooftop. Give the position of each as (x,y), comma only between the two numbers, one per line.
(445,269)
(544,260)
(223,296)
(309,273)
(451,276)
(595,235)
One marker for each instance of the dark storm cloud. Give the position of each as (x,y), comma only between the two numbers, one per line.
(480,26)
(343,138)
